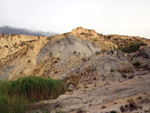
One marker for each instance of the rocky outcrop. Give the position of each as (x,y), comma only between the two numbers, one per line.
(143,52)
(83,31)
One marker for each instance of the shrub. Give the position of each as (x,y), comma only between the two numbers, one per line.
(95,39)
(29,61)
(113,111)
(58,58)
(55,60)
(125,70)
(104,50)
(112,70)
(50,53)
(137,64)
(146,67)
(124,75)
(74,52)
(129,107)
(97,52)
(131,48)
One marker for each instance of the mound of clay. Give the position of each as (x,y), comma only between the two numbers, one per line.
(64,48)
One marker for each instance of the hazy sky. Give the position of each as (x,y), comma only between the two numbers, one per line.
(126,17)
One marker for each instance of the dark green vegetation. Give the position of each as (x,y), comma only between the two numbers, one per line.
(16,95)
(113,112)
(137,64)
(131,48)
(97,52)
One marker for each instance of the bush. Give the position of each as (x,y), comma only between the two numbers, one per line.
(146,67)
(104,50)
(131,48)
(113,111)
(97,52)
(112,70)
(15,95)
(125,70)
(137,64)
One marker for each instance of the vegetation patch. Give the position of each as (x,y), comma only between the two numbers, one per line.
(97,52)
(112,70)
(131,48)
(131,106)
(16,95)
(137,64)
(104,50)
(125,70)
(146,67)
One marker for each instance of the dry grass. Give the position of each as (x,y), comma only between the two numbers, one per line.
(125,70)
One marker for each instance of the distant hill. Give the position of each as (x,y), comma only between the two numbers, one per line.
(13,30)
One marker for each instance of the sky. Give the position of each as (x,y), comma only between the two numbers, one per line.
(125,17)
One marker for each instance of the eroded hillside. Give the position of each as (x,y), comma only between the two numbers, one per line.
(23,55)
(98,76)
(106,42)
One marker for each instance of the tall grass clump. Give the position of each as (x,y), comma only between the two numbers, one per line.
(13,103)
(36,88)
(15,95)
